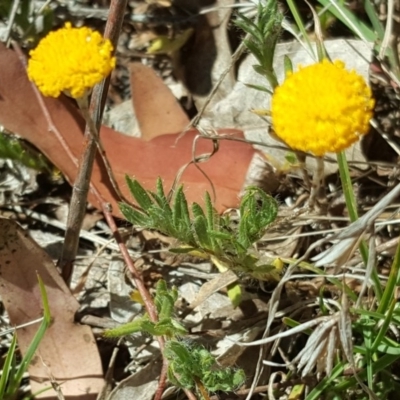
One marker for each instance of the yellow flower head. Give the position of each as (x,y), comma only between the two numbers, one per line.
(322,108)
(71,60)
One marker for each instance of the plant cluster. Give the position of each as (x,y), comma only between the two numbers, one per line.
(317,109)
(164,301)
(190,365)
(263,34)
(204,231)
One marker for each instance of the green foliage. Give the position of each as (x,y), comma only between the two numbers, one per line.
(372,32)
(190,364)
(164,301)
(157,213)
(15,149)
(206,232)
(12,374)
(264,33)
(28,25)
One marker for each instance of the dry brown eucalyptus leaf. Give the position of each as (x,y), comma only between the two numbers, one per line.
(162,156)
(68,353)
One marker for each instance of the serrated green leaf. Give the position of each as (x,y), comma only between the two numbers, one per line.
(166,307)
(139,194)
(178,328)
(212,221)
(201,233)
(126,329)
(212,216)
(176,350)
(257,211)
(197,211)
(221,235)
(133,216)
(164,328)
(160,198)
(180,211)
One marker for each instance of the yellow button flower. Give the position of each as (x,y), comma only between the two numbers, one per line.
(322,108)
(70,60)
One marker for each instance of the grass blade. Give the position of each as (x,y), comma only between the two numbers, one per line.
(343,14)
(8,366)
(36,340)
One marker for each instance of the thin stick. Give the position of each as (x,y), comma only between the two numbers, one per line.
(82,182)
(96,136)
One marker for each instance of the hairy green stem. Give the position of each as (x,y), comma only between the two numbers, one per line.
(353,214)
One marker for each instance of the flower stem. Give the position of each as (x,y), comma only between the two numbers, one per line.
(317,184)
(353,214)
(82,183)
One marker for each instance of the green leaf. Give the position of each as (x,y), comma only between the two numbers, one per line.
(178,329)
(164,328)
(259,69)
(197,211)
(389,346)
(374,18)
(180,212)
(263,35)
(287,65)
(166,302)
(139,194)
(212,216)
(126,329)
(133,216)
(235,294)
(300,24)
(8,369)
(221,235)
(160,198)
(176,351)
(213,222)
(192,363)
(257,211)
(16,149)
(26,360)
(259,87)
(343,14)
(201,233)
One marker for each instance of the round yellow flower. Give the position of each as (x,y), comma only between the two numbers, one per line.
(322,108)
(70,60)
